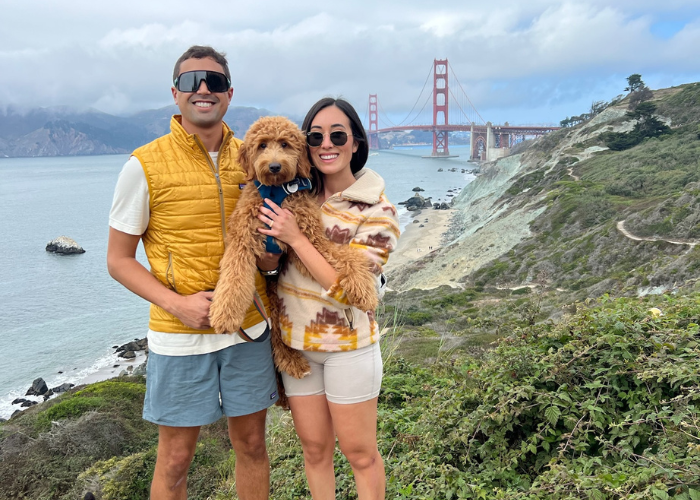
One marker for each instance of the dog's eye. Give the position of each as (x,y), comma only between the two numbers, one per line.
(284,144)
(263,145)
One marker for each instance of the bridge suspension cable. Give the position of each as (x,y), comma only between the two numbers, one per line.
(425,84)
(482,121)
(385,116)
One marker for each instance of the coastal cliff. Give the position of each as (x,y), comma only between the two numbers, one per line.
(552,213)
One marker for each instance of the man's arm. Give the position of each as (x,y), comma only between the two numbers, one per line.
(192,310)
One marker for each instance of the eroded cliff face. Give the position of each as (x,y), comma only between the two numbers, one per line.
(481,229)
(489,219)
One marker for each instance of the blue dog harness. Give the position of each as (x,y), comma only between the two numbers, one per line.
(277,194)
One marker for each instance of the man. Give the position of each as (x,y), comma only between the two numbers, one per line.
(175,194)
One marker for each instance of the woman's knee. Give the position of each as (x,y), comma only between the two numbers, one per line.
(317,452)
(361,459)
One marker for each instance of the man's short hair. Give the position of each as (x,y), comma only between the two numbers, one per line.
(201,52)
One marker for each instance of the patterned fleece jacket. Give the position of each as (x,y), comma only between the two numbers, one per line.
(315,319)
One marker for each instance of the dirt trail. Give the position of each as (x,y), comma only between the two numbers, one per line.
(625,232)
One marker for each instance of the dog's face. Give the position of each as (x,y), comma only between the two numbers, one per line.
(274,151)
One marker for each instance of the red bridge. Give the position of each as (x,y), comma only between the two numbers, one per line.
(487,141)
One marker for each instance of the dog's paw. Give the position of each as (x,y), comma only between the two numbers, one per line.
(223,320)
(361,293)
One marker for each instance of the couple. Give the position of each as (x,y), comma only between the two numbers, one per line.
(175,195)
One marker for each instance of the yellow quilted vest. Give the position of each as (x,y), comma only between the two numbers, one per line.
(191,199)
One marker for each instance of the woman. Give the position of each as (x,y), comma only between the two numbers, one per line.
(339,397)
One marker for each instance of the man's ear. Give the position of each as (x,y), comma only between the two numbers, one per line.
(174,92)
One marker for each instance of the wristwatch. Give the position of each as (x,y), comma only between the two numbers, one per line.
(273,272)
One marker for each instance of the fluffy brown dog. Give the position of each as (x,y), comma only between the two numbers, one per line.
(274,152)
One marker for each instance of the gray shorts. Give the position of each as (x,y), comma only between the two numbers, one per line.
(344,377)
(189,391)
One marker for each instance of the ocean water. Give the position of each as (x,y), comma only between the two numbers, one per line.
(64,313)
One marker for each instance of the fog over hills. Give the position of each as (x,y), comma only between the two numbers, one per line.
(65,131)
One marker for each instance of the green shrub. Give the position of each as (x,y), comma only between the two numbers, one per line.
(69,408)
(417,318)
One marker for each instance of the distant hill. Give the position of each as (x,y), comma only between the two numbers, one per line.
(64,131)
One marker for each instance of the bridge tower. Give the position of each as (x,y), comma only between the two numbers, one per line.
(440,96)
(373,134)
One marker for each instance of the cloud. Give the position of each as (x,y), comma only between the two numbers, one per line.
(150,36)
(544,57)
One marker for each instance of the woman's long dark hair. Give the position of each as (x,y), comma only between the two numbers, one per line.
(359,157)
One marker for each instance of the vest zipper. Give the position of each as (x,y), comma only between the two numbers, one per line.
(349,316)
(215,171)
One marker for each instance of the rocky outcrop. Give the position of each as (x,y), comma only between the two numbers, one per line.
(416,202)
(64,245)
(38,388)
(128,350)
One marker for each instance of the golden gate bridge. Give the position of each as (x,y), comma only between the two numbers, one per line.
(452,111)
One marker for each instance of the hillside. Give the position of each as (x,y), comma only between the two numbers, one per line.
(602,405)
(62,131)
(550,215)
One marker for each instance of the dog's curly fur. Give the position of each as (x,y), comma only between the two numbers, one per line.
(278,142)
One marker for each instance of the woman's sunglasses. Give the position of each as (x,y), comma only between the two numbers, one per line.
(315,139)
(190,81)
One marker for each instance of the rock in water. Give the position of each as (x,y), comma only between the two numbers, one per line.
(64,245)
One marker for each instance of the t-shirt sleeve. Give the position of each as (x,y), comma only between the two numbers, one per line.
(130,207)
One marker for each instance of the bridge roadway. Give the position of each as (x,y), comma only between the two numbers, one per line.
(484,143)
(503,129)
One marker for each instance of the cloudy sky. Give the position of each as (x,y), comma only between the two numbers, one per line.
(532,62)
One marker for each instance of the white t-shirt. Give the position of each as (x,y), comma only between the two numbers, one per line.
(130,214)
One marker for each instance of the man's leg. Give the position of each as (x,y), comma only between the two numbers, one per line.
(248,387)
(182,394)
(247,435)
(176,446)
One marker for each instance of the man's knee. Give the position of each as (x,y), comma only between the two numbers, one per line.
(253,450)
(251,445)
(247,435)
(175,464)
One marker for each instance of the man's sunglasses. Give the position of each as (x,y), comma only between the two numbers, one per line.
(315,139)
(190,81)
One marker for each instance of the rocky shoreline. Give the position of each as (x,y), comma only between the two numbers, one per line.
(133,353)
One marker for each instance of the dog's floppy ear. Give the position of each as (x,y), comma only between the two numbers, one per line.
(246,162)
(304,164)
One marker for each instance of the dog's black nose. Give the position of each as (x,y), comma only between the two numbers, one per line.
(275,167)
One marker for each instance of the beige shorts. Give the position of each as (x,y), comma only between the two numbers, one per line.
(344,377)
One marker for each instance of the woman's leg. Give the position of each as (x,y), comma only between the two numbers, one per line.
(356,428)
(312,421)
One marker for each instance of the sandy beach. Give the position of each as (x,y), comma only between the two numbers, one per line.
(415,241)
(115,369)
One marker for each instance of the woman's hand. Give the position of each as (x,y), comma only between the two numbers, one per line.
(283,224)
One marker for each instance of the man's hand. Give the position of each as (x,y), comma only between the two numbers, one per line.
(193,310)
